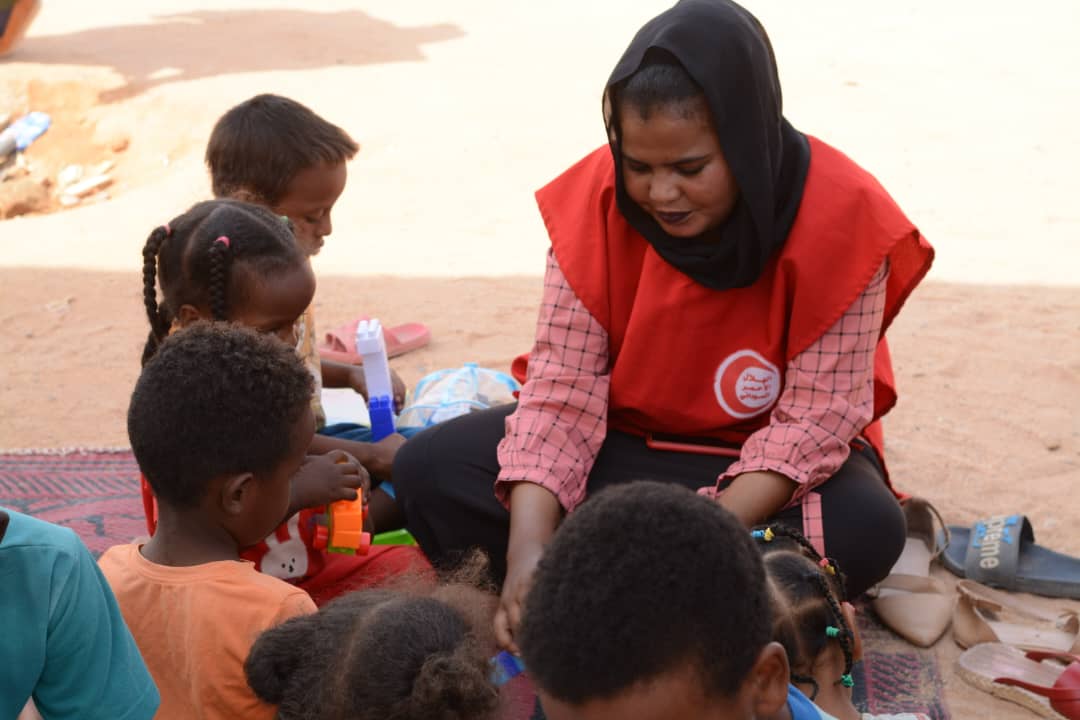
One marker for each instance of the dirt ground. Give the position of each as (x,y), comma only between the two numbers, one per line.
(463,109)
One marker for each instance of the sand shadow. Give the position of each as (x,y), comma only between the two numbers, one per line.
(189,46)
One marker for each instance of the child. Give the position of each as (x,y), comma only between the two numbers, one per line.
(650,602)
(379,654)
(275,152)
(227,260)
(64,642)
(219,421)
(813,622)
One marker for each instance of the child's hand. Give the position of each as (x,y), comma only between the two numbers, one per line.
(324,479)
(358,382)
(381,461)
(399,391)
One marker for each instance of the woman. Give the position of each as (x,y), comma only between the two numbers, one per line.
(714,311)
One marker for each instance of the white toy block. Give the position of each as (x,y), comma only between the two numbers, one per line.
(371,345)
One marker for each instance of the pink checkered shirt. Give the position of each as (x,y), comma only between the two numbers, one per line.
(555,435)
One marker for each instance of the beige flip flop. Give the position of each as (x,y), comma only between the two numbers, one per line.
(984,615)
(1035,680)
(912,604)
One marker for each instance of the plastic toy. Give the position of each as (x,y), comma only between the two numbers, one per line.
(344,529)
(372,347)
(505,667)
(394,537)
(23,132)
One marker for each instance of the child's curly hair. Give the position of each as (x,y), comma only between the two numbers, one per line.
(385,654)
(215,399)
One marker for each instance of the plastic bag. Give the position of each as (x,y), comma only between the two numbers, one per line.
(447,394)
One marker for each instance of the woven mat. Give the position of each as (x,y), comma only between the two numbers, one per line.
(895,676)
(96,494)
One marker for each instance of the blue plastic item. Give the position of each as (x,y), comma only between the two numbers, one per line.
(18,136)
(381,412)
(505,667)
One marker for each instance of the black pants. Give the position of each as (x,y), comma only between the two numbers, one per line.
(444,480)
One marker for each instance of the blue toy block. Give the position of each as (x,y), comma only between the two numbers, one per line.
(381,411)
(505,667)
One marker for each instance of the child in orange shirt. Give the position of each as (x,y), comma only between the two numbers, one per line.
(220,421)
(229,260)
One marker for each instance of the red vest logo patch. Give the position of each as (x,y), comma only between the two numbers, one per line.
(746,384)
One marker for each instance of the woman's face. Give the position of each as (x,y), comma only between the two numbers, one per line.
(674,169)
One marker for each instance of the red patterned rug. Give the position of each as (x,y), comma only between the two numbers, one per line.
(96,494)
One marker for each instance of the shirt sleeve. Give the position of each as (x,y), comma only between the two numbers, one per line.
(93,668)
(554,436)
(827,400)
(294,604)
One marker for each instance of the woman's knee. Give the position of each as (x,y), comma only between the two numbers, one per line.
(878,536)
(864,524)
(461,450)
(411,475)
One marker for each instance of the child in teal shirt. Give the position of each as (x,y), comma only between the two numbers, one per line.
(65,644)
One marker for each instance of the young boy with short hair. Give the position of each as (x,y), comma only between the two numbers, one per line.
(273,151)
(650,603)
(219,422)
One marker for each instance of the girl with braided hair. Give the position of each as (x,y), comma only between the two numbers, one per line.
(813,621)
(239,262)
(218,261)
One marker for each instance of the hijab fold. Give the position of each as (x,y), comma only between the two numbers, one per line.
(727,53)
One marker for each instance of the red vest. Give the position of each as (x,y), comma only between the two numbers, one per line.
(691,361)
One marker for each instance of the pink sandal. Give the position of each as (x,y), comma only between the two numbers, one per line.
(340,344)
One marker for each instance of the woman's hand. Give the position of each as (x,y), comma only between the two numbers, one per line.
(323,479)
(519,577)
(534,514)
(753,497)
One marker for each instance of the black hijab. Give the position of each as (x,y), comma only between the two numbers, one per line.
(727,53)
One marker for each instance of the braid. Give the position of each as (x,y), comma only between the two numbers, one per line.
(844,636)
(193,261)
(219,275)
(793,571)
(159,326)
(768,533)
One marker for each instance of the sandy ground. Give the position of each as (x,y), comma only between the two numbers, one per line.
(964,110)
